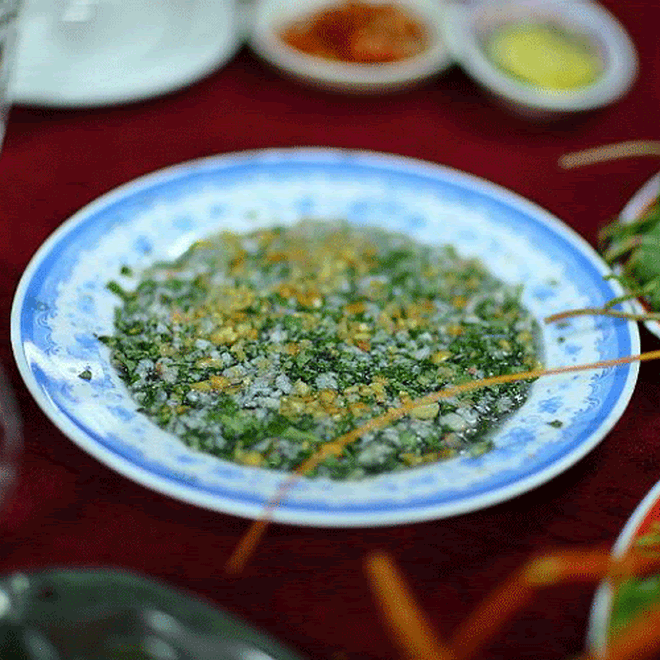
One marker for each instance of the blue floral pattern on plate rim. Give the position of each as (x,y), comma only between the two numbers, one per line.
(62,303)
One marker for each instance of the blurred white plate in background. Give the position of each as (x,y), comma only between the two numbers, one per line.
(81,53)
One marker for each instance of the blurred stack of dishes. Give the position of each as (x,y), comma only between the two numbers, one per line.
(97,52)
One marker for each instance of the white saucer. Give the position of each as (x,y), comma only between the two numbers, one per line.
(82,53)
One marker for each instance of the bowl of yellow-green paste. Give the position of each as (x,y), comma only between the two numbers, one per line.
(543,59)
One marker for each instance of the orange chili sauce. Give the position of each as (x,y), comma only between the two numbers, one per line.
(358,31)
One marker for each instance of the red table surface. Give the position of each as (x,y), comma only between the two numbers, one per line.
(307,586)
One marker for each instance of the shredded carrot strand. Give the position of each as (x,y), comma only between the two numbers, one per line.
(497,608)
(548,570)
(607,152)
(393,414)
(600,311)
(410,627)
(250,540)
(585,566)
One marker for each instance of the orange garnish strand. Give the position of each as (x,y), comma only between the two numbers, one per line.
(599,311)
(410,628)
(497,608)
(586,566)
(412,631)
(558,568)
(250,540)
(630,149)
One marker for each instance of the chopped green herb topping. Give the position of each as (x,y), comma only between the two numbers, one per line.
(260,348)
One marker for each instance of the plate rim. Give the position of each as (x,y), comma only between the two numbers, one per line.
(211,501)
(601,607)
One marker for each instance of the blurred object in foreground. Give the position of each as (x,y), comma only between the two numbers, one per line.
(110,614)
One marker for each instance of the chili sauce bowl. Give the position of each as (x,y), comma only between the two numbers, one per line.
(468,27)
(272,17)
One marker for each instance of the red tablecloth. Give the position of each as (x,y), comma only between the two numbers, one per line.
(305,585)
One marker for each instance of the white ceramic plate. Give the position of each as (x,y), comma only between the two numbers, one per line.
(80,53)
(272,16)
(645,517)
(62,303)
(467,23)
(640,201)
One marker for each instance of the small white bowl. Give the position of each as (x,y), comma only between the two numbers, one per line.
(467,25)
(273,16)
